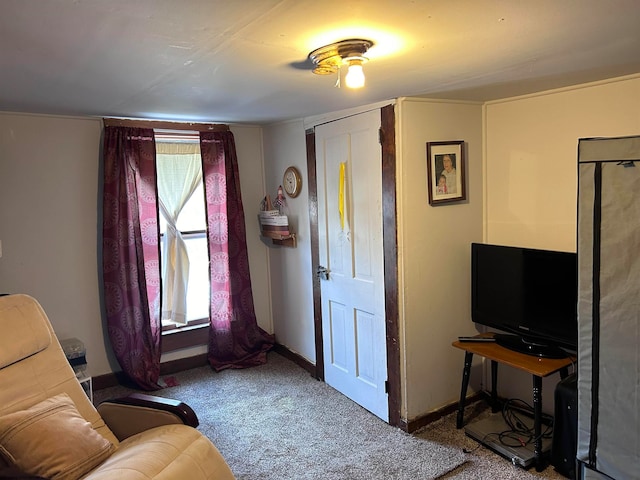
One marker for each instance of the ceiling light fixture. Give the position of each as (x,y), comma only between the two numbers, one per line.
(330,58)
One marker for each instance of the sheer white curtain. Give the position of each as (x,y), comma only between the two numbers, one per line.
(179,174)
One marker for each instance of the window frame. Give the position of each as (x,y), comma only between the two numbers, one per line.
(195,335)
(169,325)
(192,333)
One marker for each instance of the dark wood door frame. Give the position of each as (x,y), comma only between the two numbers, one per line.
(390,246)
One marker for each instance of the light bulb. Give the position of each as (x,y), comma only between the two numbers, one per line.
(355,75)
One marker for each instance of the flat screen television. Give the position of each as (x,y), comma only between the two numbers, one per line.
(529,294)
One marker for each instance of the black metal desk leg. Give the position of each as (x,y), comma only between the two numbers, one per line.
(537,422)
(468,357)
(494,386)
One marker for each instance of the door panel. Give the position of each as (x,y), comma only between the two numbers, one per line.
(350,247)
(365,354)
(339,336)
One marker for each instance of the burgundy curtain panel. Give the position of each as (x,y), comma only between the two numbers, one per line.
(131,266)
(235,339)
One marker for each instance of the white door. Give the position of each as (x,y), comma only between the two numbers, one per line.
(351,250)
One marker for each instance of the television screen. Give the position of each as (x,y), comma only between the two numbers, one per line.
(528,292)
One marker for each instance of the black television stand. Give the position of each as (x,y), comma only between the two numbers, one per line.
(529,347)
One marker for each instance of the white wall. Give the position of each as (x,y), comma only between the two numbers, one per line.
(531,158)
(434,249)
(291,270)
(49,227)
(434,253)
(525,195)
(49,172)
(531,182)
(49,204)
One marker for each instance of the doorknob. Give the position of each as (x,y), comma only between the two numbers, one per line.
(322,273)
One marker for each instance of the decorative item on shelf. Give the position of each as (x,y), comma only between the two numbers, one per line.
(281,202)
(273,223)
(265,204)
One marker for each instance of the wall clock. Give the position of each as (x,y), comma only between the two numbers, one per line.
(292,182)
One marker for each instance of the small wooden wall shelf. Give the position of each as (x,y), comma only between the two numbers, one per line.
(283,240)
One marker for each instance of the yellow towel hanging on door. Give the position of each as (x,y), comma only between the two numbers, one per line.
(341,195)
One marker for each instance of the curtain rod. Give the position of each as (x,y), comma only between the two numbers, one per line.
(198,127)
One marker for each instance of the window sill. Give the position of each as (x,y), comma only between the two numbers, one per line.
(185,337)
(170,326)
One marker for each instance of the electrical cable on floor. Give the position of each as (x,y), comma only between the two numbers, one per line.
(520,434)
(471,450)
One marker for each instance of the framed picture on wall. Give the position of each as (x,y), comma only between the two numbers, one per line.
(445,172)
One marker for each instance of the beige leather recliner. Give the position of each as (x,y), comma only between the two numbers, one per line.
(50,429)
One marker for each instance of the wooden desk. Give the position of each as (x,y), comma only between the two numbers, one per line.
(536,366)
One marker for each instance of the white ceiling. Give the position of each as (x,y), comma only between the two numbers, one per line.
(246,60)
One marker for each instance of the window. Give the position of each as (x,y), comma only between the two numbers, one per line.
(183,250)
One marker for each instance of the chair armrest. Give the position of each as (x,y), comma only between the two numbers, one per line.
(137,412)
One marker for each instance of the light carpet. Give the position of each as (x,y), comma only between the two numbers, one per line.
(276,422)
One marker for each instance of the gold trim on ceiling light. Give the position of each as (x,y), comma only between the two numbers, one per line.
(327,60)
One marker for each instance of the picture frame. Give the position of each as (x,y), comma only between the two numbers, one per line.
(446,172)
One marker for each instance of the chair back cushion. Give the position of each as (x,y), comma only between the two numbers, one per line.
(33,366)
(21,323)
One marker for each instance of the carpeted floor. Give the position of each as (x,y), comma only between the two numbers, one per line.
(276,422)
(480,462)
